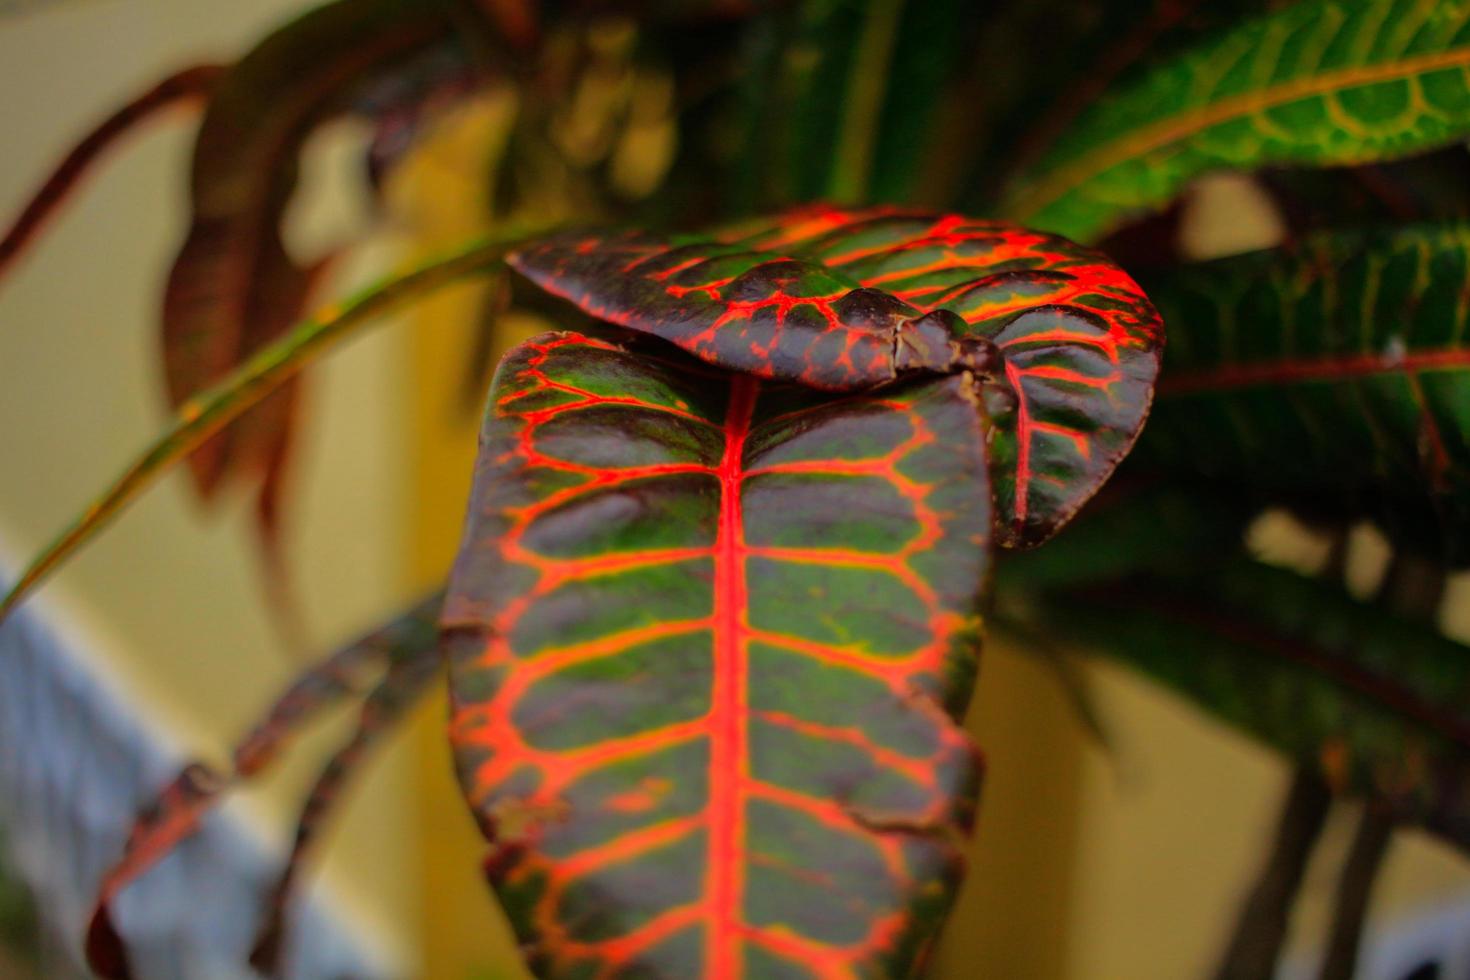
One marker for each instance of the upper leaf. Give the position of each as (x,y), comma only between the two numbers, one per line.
(1333,372)
(1319,82)
(709,641)
(1066,343)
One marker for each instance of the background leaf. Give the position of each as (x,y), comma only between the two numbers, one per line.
(233,287)
(1330,374)
(182,88)
(401,654)
(1375,702)
(1321,82)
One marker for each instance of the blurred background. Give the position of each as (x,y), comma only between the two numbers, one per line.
(1092,861)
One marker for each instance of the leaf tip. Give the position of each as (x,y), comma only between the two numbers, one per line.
(106,954)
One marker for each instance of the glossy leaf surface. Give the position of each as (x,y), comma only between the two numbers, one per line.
(709,639)
(1320,82)
(1333,373)
(845,300)
(1376,702)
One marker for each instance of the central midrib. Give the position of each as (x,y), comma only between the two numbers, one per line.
(728,749)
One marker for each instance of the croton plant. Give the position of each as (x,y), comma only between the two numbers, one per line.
(742,514)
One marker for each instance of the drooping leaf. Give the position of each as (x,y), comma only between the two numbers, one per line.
(404,651)
(411,666)
(182,88)
(1376,702)
(1319,82)
(845,300)
(233,287)
(210,410)
(1332,372)
(708,640)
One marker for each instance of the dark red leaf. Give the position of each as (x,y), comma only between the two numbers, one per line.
(404,647)
(233,287)
(182,88)
(384,706)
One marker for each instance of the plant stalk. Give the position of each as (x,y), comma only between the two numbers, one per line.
(1260,930)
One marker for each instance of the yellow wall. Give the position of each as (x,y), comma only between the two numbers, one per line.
(170,596)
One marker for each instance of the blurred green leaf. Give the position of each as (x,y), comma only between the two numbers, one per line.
(1334,371)
(1380,704)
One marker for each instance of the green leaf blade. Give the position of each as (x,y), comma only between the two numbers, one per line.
(1375,702)
(1332,373)
(1319,83)
(706,673)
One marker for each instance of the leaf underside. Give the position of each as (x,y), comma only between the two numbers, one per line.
(1330,374)
(850,300)
(709,638)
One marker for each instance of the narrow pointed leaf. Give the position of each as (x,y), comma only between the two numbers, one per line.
(233,287)
(1320,82)
(1376,703)
(708,641)
(1334,373)
(187,87)
(205,414)
(848,300)
(410,669)
(404,647)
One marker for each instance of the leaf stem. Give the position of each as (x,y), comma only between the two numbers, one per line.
(210,410)
(1261,928)
(1354,889)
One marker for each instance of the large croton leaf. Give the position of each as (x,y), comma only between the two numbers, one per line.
(709,639)
(1376,703)
(1331,373)
(1320,82)
(1065,341)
